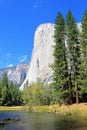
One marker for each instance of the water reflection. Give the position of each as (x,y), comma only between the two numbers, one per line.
(43,121)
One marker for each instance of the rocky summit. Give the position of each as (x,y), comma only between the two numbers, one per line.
(16,74)
(41,60)
(42,56)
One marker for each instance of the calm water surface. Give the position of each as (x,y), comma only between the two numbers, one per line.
(43,121)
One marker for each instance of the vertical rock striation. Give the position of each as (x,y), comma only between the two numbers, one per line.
(16,74)
(42,55)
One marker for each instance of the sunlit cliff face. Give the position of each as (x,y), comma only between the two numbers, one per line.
(42,55)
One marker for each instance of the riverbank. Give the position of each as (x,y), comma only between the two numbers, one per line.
(74,109)
(13,108)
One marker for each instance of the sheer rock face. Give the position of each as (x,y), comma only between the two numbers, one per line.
(16,74)
(42,55)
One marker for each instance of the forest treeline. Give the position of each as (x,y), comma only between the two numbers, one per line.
(69,82)
(70,59)
(9,93)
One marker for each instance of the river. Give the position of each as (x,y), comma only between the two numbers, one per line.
(42,121)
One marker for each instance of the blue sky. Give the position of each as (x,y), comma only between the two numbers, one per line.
(19,20)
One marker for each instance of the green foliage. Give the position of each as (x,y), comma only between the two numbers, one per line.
(41,108)
(73,54)
(83,59)
(70,60)
(36,94)
(9,93)
(4,81)
(60,66)
(69,70)
(69,67)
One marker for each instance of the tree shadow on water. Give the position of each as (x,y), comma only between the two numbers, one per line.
(70,123)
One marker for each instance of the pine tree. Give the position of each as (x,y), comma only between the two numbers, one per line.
(60,75)
(83,66)
(0,94)
(9,93)
(4,92)
(73,51)
(5,80)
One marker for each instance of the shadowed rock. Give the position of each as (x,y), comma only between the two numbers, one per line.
(11,119)
(2,123)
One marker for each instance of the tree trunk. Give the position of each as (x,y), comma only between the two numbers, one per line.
(76,88)
(76,84)
(70,87)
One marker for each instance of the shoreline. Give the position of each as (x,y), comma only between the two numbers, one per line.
(74,109)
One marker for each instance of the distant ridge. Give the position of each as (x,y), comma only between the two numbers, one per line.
(17,74)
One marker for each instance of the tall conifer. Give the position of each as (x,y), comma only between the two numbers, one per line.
(73,51)
(60,76)
(83,66)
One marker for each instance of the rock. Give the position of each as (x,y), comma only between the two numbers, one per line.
(2,123)
(16,74)
(42,55)
(20,73)
(12,119)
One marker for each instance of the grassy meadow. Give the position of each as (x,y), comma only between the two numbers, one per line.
(75,109)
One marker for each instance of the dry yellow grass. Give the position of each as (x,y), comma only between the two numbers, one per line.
(63,109)
(81,106)
(73,109)
(14,108)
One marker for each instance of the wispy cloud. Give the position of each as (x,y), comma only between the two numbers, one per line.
(10,65)
(23,58)
(37,4)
